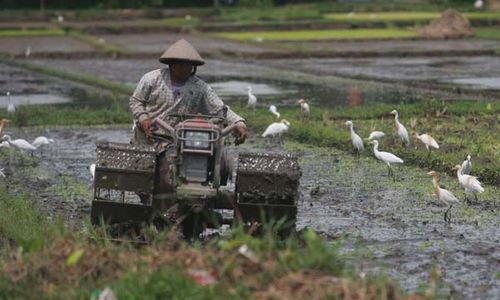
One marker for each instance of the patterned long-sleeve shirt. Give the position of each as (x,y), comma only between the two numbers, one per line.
(155,96)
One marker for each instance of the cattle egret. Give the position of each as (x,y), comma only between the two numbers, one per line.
(478,4)
(356,140)
(467,166)
(11,108)
(3,122)
(27,53)
(252,100)
(41,140)
(376,135)
(60,18)
(468,182)
(274,111)
(19,143)
(1,173)
(304,110)
(443,195)
(427,140)
(4,144)
(276,129)
(92,170)
(386,157)
(402,132)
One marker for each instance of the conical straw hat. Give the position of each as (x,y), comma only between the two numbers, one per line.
(182,51)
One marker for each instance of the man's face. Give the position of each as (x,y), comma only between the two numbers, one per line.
(180,72)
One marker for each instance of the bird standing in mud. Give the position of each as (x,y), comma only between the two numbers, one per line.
(443,195)
(3,122)
(305,112)
(468,182)
(19,144)
(276,129)
(274,111)
(427,140)
(11,108)
(386,157)
(356,140)
(467,166)
(252,100)
(401,130)
(40,141)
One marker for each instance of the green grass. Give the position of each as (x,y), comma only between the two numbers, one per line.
(31,32)
(395,16)
(382,16)
(488,33)
(286,12)
(20,223)
(303,35)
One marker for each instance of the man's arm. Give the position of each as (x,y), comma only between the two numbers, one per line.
(138,102)
(214,105)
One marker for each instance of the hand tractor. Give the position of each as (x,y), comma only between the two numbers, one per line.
(126,188)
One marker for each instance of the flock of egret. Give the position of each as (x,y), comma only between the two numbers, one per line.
(469,183)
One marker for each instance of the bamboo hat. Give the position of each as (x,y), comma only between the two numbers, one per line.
(181,51)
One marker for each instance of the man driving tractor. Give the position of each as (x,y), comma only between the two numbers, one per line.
(175,90)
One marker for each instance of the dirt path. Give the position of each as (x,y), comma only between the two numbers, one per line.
(397,225)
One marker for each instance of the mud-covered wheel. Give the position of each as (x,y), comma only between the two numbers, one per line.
(267,189)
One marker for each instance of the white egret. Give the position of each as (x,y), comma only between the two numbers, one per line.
(41,140)
(3,122)
(468,182)
(305,112)
(356,140)
(60,18)
(402,132)
(252,100)
(2,173)
(11,108)
(386,157)
(19,143)
(274,111)
(27,53)
(376,135)
(427,140)
(478,4)
(467,166)
(4,144)
(92,170)
(443,195)
(276,129)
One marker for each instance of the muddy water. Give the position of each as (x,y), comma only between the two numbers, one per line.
(272,84)
(398,225)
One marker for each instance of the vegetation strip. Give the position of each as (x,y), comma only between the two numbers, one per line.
(302,35)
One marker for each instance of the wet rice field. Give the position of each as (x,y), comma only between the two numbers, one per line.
(398,226)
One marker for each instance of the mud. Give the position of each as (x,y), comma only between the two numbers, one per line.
(41,44)
(397,225)
(28,88)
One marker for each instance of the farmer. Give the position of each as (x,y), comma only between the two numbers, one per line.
(175,90)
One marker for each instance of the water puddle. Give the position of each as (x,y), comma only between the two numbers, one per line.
(33,99)
(237,87)
(478,83)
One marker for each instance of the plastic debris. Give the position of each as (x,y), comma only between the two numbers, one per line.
(246,252)
(202,277)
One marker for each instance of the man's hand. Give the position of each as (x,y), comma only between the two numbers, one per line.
(146,127)
(241,131)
